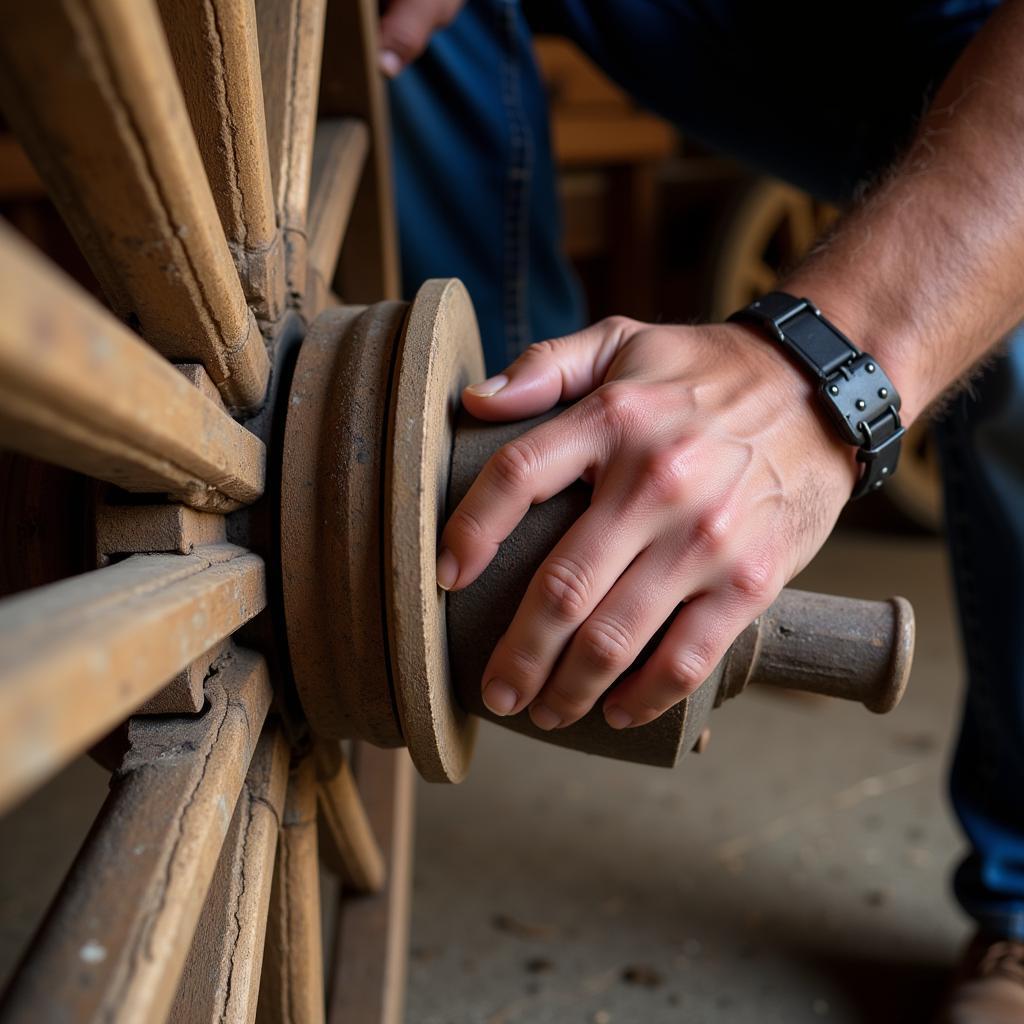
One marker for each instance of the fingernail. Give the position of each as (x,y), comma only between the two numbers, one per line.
(544,718)
(617,718)
(500,697)
(390,63)
(489,387)
(447,570)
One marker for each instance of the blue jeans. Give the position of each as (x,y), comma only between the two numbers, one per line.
(763,83)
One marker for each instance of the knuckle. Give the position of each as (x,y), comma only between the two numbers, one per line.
(407,36)
(540,350)
(606,646)
(568,700)
(618,406)
(514,464)
(711,530)
(566,586)
(465,524)
(665,477)
(754,582)
(522,663)
(686,671)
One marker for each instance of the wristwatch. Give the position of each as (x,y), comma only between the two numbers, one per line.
(858,397)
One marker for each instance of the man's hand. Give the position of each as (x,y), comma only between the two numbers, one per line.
(406,27)
(715,481)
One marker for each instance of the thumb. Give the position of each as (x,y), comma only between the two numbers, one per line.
(406,27)
(550,372)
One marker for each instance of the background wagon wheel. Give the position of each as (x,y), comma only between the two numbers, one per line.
(181,145)
(767,229)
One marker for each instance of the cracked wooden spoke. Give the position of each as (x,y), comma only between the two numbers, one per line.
(216,51)
(291,36)
(77,657)
(80,389)
(352,848)
(339,156)
(221,981)
(90,89)
(115,942)
(292,986)
(368,981)
(368,266)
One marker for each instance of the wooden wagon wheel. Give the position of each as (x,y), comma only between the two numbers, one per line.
(767,229)
(180,142)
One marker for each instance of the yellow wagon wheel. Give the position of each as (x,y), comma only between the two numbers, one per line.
(220,188)
(768,229)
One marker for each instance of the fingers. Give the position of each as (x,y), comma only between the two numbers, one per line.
(610,640)
(695,643)
(563,592)
(550,372)
(528,470)
(406,27)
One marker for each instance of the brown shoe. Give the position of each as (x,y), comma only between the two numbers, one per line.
(989,984)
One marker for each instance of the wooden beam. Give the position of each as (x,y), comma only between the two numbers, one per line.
(221,981)
(79,656)
(291,34)
(351,86)
(91,92)
(216,51)
(339,155)
(114,944)
(79,389)
(292,986)
(353,850)
(371,950)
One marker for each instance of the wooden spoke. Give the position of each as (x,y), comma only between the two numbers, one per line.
(220,984)
(291,34)
(216,51)
(351,86)
(91,91)
(80,389)
(353,850)
(79,656)
(368,982)
(338,158)
(116,939)
(292,986)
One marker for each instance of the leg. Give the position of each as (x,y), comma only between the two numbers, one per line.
(475,180)
(983,460)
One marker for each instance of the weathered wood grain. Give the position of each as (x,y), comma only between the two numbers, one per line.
(368,980)
(292,985)
(339,155)
(351,86)
(291,36)
(90,89)
(79,656)
(79,389)
(114,944)
(216,51)
(220,983)
(353,849)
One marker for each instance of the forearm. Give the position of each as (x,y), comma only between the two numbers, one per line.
(927,273)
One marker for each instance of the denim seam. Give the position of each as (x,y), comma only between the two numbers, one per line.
(518,170)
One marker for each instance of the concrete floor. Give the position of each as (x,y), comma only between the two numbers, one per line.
(795,872)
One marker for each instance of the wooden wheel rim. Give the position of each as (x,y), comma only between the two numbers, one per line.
(439,354)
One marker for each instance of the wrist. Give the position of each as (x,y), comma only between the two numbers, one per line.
(870,327)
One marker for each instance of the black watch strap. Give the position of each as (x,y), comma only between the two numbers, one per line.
(858,397)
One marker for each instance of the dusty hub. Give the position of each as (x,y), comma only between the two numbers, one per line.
(376,452)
